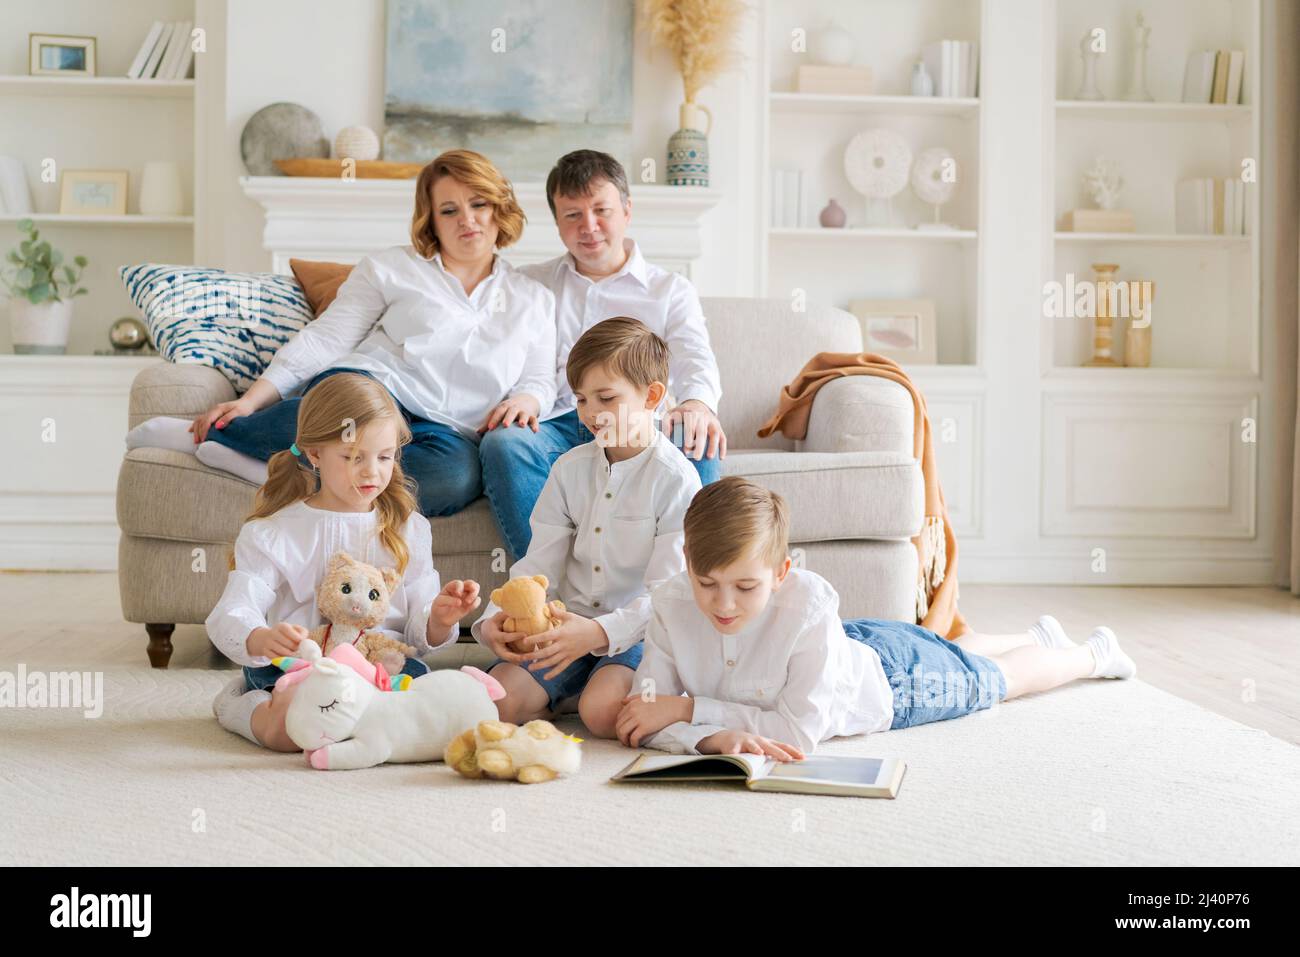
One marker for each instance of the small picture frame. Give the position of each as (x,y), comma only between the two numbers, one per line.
(52,54)
(93,192)
(898,329)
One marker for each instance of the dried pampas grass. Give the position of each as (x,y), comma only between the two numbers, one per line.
(699,34)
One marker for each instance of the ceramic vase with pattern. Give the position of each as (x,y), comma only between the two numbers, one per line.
(688,148)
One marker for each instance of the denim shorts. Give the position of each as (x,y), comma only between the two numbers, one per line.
(933,679)
(263,678)
(574,678)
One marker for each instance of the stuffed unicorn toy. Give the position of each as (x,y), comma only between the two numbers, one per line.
(343,716)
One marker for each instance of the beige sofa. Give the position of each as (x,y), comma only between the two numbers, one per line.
(854,489)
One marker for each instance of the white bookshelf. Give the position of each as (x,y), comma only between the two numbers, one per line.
(103,122)
(810,132)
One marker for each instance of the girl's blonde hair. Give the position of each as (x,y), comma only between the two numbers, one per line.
(343,403)
(473,171)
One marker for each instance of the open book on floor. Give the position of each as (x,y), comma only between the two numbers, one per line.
(853,777)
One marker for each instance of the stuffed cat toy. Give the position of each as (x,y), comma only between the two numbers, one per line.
(537,752)
(527,611)
(353,598)
(343,719)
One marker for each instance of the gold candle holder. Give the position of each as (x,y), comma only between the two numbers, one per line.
(1103,322)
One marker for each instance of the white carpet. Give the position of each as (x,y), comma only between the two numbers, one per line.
(1096,773)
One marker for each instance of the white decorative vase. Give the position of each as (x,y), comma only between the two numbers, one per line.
(40,329)
(833,46)
(160,189)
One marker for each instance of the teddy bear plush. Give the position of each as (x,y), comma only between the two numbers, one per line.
(353,598)
(528,613)
(531,754)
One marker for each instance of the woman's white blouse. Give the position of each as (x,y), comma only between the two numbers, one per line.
(791,674)
(280,562)
(448,357)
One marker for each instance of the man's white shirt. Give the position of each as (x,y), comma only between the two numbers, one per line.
(791,674)
(665,301)
(448,357)
(605,534)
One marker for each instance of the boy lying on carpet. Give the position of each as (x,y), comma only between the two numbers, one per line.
(606,529)
(745,654)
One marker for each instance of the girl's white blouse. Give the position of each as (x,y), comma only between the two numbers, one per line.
(280,562)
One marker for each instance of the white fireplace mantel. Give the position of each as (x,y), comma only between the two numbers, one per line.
(345,220)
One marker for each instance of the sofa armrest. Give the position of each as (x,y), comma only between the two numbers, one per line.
(177,390)
(860,413)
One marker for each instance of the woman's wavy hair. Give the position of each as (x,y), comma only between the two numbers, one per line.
(473,171)
(344,404)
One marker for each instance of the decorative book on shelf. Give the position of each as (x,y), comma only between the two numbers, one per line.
(1214,76)
(846,80)
(1097,221)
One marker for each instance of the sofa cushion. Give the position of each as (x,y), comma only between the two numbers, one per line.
(320,281)
(761,344)
(233,322)
(839,495)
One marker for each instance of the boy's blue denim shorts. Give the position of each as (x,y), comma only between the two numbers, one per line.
(574,678)
(263,678)
(933,679)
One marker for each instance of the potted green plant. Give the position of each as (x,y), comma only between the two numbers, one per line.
(42,288)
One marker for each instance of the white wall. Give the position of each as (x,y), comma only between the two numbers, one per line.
(328,55)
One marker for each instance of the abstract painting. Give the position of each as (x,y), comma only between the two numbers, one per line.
(521,81)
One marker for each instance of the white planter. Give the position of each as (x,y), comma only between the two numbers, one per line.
(41,329)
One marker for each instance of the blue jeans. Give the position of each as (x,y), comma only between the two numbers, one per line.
(444,464)
(260,679)
(516,462)
(933,679)
(574,678)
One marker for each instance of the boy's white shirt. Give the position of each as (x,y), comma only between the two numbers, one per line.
(448,357)
(281,560)
(664,300)
(605,534)
(791,674)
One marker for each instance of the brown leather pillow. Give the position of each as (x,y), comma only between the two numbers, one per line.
(320,281)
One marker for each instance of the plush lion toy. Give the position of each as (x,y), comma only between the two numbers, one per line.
(537,752)
(354,597)
(528,613)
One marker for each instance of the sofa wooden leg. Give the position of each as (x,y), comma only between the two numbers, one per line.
(160,644)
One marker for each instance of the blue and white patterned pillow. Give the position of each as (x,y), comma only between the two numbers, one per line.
(231,321)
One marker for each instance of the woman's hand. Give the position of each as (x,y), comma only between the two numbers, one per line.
(259,395)
(278,641)
(639,719)
(492,635)
(743,742)
(574,637)
(521,409)
(453,603)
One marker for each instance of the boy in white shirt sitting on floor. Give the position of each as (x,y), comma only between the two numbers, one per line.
(606,529)
(744,654)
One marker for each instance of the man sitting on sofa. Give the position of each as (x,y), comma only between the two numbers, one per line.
(603,276)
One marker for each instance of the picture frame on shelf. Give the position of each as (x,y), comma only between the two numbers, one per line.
(54,54)
(898,329)
(93,192)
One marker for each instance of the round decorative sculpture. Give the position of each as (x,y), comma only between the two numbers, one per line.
(876,163)
(281,131)
(356,142)
(128,333)
(934,180)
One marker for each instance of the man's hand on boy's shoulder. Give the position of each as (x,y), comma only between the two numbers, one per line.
(574,637)
(702,434)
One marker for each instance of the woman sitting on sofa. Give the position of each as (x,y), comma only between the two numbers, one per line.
(463,341)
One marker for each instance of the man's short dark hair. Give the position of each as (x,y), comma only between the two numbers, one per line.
(574,173)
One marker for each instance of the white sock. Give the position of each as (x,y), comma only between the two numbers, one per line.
(234,707)
(163,432)
(219,456)
(1111,662)
(1047,631)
